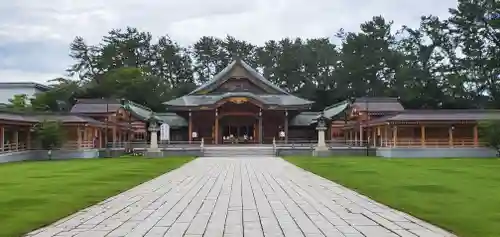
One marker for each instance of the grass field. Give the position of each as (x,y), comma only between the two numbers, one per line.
(460,195)
(34,194)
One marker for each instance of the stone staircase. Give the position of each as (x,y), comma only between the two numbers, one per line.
(238,151)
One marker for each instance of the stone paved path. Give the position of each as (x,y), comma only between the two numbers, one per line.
(240,197)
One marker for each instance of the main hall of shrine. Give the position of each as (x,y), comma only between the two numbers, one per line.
(239,105)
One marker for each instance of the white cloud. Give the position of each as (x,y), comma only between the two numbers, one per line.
(59,21)
(11,75)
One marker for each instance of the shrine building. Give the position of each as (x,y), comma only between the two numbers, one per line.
(239,105)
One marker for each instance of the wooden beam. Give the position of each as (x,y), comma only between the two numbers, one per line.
(450,136)
(395,136)
(190,128)
(216,132)
(476,136)
(2,138)
(286,126)
(422,135)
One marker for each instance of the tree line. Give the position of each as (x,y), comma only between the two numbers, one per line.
(443,63)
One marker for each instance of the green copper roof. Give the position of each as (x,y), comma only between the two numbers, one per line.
(144,113)
(304,119)
(309,118)
(172,119)
(333,110)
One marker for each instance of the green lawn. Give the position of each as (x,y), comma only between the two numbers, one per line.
(34,194)
(461,195)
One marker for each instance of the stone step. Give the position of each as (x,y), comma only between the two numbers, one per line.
(238,152)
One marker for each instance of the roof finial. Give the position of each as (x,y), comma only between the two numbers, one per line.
(237,58)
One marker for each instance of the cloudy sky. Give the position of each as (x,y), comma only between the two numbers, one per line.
(35,34)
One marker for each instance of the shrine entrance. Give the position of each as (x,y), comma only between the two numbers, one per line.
(237,121)
(236,129)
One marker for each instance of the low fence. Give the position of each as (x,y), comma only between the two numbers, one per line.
(13,147)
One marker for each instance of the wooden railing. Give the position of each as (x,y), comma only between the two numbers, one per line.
(13,147)
(401,142)
(74,145)
(161,144)
(456,142)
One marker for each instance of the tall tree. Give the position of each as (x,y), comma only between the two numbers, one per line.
(478,38)
(368,58)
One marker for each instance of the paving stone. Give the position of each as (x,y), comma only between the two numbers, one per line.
(213,197)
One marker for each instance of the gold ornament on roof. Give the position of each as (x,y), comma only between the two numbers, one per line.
(238,100)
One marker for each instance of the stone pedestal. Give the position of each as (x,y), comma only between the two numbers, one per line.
(321,141)
(321,149)
(153,146)
(154,141)
(153,150)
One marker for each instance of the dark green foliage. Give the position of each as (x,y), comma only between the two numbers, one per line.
(489,132)
(49,134)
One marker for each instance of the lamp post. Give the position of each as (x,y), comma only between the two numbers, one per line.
(126,106)
(106,132)
(321,127)
(153,129)
(367,121)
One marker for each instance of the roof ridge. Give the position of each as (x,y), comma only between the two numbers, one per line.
(336,104)
(102,100)
(139,105)
(245,66)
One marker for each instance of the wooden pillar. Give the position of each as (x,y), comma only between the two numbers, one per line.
(360,135)
(79,136)
(2,138)
(216,132)
(386,135)
(375,130)
(356,138)
(190,128)
(450,136)
(395,136)
(99,136)
(114,136)
(422,135)
(286,126)
(379,135)
(476,137)
(28,139)
(106,139)
(85,135)
(260,126)
(16,138)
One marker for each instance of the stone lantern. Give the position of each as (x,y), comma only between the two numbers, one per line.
(321,128)
(153,131)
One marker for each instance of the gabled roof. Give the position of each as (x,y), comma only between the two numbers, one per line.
(446,115)
(172,119)
(335,109)
(304,119)
(36,117)
(378,104)
(198,100)
(309,118)
(439,115)
(141,112)
(95,106)
(222,76)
